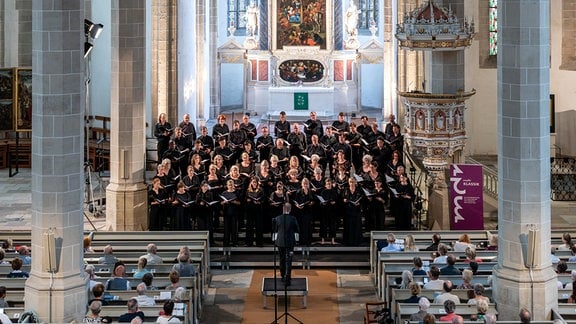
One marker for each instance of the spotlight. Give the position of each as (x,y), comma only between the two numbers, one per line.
(91,29)
(87,48)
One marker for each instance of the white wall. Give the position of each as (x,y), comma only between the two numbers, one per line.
(372,76)
(100,60)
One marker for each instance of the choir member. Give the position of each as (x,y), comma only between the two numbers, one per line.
(231,206)
(329,216)
(352,199)
(254,213)
(282,128)
(157,200)
(162,131)
(264,144)
(303,200)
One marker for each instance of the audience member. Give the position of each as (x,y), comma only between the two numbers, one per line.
(471,255)
(410,244)
(407,278)
(423,306)
(2,256)
(415,291)
(88,245)
(573,277)
(572,297)
(434,283)
(417,269)
(466,280)
(450,308)
(429,319)
(3,302)
(447,294)
(184,267)
(462,243)
(553,258)
(167,316)
(174,280)
(450,269)
(93,315)
(24,254)
(525,316)
(474,267)
(108,257)
(442,253)
(142,262)
(492,241)
(490,318)
(151,255)
(561,268)
(133,312)
(97,293)
(180,295)
(392,245)
(481,309)
(435,242)
(91,275)
(572,257)
(478,295)
(5,319)
(566,243)
(147,279)
(118,282)
(143,299)
(17,269)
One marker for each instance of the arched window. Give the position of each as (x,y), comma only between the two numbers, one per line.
(237,15)
(368,12)
(493,26)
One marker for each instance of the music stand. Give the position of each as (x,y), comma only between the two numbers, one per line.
(286,314)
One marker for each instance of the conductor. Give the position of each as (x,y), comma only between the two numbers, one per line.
(286,234)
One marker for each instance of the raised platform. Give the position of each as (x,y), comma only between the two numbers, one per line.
(298,287)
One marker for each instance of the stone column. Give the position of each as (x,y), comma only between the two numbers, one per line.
(126,196)
(57,161)
(524,160)
(187,76)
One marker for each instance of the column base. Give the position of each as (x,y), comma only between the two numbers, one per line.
(64,303)
(126,207)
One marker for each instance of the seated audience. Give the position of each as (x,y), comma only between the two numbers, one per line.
(450,268)
(417,269)
(151,255)
(108,257)
(147,279)
(561,268)
(573,277)
(572,257)
(525,316)
(442,253)
(492,241)
(133,313)
(143,299)
(407,278)
(180,294)
(184,266)
(118,282)
(450,308)
(97,293)
(447,294)
(553,258)
(481,309)
(490,318)
(88,245)
(471,255)
(93,315)
(3,302)
(423,306)
(415,291)
(435,242)
(572,297)
(466,280)
(17,269)
(478,295)
(434,283)
(566,243)
(462,243)
(174,280)
(167,316)
(142,262)
(2,256)
(410,244)
(392,246)
(24,254)
(91,275)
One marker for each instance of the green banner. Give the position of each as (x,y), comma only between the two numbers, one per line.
(300,100)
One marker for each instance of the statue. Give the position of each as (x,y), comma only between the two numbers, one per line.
(252,14)
(352,20)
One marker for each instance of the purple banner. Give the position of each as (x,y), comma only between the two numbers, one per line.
(466,197)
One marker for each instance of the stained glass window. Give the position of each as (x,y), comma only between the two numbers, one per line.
(237,15)
(368,12)
(493,26)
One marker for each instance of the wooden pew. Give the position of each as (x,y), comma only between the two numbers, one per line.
(150,313)
(464,310)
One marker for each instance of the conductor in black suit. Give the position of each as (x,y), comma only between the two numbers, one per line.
(286,234)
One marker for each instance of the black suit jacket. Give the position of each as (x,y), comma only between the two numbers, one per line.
(286,226)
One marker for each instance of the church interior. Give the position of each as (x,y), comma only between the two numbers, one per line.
(85,85)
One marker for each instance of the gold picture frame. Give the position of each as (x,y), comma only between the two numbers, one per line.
(7,99)
(23,99)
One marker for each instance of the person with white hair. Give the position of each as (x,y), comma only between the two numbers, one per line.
(151,255)
(490,318)
(423,305)
(573,276)
(143,299)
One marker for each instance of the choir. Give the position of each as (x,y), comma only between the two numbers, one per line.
(237,180)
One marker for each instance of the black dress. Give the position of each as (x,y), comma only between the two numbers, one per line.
(158,202)
(353,216)
(162,132)
(302,203)
(231,212)
(254,217)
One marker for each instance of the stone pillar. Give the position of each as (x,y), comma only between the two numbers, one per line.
(57,161)
(524,160)
(126,196)
(187,76)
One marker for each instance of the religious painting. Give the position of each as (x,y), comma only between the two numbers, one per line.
(6,99)
(301,71)
(301,23)
(440,121)
(420,120)
(23,99)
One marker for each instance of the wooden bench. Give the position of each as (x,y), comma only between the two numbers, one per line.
(464,310)
(150,313)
